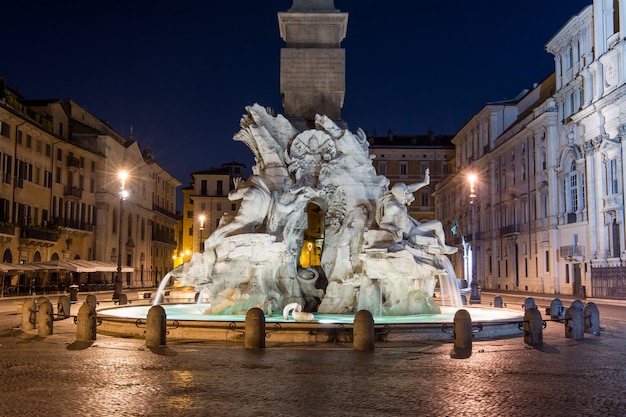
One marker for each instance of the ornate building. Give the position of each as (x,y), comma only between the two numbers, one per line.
(60,197)
(550,199)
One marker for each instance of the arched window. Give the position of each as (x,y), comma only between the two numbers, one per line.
(37,256)
(573,189)
(7,257)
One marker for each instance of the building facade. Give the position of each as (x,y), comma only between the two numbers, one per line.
(549,205)
(405,158)
(60,195)
(205,203)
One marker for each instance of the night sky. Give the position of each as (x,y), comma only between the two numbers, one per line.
(181,73)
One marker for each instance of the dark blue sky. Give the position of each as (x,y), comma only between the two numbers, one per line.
(181,73)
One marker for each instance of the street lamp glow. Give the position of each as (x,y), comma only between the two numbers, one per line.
(472,180)
(122,176)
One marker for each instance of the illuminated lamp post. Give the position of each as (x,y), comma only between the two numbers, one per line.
(201,229)
(474,295)
(117,286)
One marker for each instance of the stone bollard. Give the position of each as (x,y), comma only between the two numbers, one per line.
(463,335)
(497,301)
(254,329)
(578,304)
(86,323)
(557,312)
(156,327)
(45,318)
(529,302)
(28,315)
(533,327)
(123,300)
(91,300)
(592,319)
(64,305)
(574,322)
(363,331)
(41,300)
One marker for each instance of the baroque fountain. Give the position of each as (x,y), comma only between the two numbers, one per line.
(319,235)
(315,192)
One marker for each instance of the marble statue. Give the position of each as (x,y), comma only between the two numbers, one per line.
(373,254)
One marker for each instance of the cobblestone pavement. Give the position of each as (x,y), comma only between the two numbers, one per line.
(54,375)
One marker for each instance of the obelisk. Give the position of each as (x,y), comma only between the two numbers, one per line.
(312,63)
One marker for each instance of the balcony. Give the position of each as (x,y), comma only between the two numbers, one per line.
(513,229)
(572,252)
(39,233)
(73,192)
(72,224)
(7,228)
(166,212)
(164,238)
(73,162)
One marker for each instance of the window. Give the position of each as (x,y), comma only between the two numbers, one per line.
(58,175)
(114,221)
(29,141)
(219,207)
(48,150)
(7,161)
(425,199)
(382,167)
(39,146)
(220,187)
(59,154)
(233,207)
(47,179)
(403,168)
(613,189)
(190,214)
(5,129)
(19,138)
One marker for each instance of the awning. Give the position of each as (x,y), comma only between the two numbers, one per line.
(16,268)
(75,265)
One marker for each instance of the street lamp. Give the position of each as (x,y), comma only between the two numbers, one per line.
(117,286)
(201,229)
(474,295)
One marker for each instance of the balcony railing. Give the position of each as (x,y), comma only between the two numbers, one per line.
(73,192)
(513,229)
(572,250)
(166,212)
(7,228)
(39,233)
(73,162)
(72,224)
(163,238)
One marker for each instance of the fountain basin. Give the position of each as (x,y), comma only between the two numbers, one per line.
(187,322)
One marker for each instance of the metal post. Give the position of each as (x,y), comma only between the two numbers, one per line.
(117,287)
(201,229)
(474,295)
